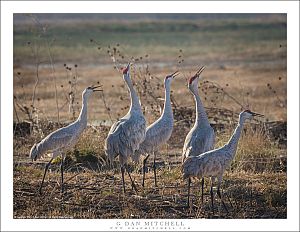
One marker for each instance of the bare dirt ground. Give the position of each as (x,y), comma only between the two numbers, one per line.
(254,187)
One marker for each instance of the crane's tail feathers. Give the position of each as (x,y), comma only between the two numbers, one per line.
(110,157)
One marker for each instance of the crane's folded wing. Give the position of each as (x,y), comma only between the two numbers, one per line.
(126,136)
(58,140)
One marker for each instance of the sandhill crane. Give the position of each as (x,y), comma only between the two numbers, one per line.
(159,132)
(213,163)
(201,137)
(64,138)
(128,133)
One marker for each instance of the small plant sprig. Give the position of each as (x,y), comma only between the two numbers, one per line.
(146,83)
(72,81)
(29,110)
(43,33)
(218,90)
(273,91)
(105,103)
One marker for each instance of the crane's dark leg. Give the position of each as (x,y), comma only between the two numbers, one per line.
(62,174)
(46,169)
(219,193)
(202,187)
(132,182)
(154,168)
(189,187)
(123,181)
(144,169)
(212,194)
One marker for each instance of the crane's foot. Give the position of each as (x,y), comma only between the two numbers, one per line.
(132,182)
(62,189)
(144,169)
(135,188)
(219,195)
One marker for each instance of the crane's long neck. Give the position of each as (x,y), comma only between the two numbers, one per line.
(135,104)
(201,116)
(167,111)
(82,118)
(233,141)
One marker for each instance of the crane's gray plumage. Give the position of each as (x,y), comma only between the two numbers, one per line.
(128,133)
(159,132)
(213,163)
(201,137)
(64,138)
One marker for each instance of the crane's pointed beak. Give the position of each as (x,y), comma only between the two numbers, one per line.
(200,71)
(94,88)
(175,74)
(257,115)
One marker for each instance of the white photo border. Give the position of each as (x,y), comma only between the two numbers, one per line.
(8,8)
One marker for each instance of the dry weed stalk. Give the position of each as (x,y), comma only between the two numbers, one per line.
(44,34)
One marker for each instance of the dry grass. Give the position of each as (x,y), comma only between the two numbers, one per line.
(99,195)
(254,186)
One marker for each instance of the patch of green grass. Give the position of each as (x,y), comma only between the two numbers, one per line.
(85,156)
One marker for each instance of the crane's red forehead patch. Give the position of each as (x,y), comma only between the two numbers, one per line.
(125,70)
(248,111)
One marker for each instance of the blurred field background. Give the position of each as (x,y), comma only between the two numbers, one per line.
(56,56)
